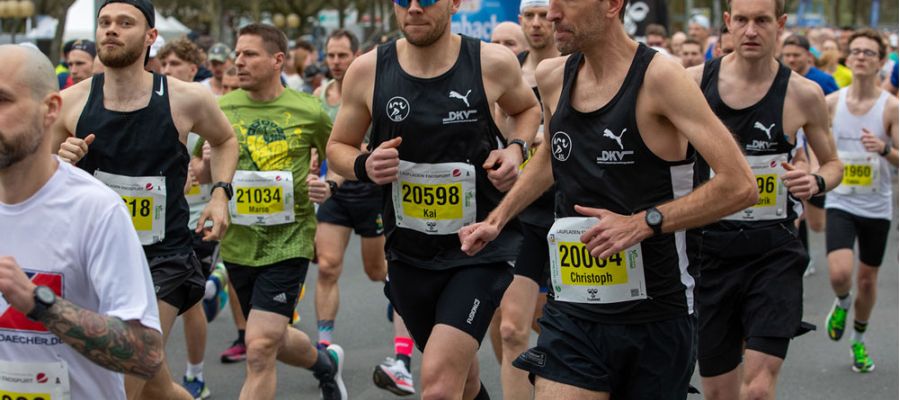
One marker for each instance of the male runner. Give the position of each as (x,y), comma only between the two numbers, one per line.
(509,34)
(750,294)
(691,53)
(620,322)
(83,313)
(181,59)
(268,248)
(136,124)
(518,306)
(795,52)
(725,43)
(864,121)
(219,57)
(429,99)
(81,61)
(346,205)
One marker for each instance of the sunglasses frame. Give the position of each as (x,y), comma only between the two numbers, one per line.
(422,3)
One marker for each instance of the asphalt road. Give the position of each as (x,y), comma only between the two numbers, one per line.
(816,367)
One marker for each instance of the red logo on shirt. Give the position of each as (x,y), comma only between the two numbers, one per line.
(772,164)
(14,320)
(41,378)
(456,173)
(278,178)
(149,186)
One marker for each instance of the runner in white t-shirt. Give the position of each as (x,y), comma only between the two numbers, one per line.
(78,307)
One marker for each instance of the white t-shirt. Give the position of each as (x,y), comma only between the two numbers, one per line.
(75,236)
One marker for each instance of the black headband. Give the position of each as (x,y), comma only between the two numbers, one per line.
(145,6)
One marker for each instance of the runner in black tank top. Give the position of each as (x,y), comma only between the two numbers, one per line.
(438,154)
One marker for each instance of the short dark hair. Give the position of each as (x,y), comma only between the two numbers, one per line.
(655,29)
(273,39)
(692,41)
(797,40)
(869,33)
(183,49)
(343,33)
(302,44)
(779,7)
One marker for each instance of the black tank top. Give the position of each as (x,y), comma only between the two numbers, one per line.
(143,142)
(540,212)
(600,160)
(758,130)
(438,126)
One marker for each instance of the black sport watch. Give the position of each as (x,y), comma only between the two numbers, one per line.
(229,190)
(654,220)
(332,186)
(44,298)
(524,147)
(820,182)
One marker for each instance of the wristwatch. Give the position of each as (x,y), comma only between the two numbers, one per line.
(820,182)
(887,150)
(332,186)
(654,220)
(229,190)
(524,147)
(44,298)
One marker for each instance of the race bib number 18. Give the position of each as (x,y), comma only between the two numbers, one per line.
(579,277)
(145,199)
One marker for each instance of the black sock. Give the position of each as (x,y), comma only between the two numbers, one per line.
(482,394)
(324,365)
(803,235)
(240,339)
(860,326)
(407,361)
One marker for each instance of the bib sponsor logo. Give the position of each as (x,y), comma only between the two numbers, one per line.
(397,109)
(14,320)
(561,145)
(615,156)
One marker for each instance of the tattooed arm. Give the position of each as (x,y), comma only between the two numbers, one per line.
(121,346)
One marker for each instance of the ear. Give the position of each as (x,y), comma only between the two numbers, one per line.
(51,105)
(279,61)
(782,20)
(150,37)
(615,7)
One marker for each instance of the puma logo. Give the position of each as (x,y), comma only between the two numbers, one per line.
(162,89)
(455,95)
(608,134)
(763,128)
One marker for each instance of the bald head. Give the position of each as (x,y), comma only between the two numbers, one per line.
(30,68)
(510,35)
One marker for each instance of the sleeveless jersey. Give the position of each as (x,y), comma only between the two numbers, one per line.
(847,130)
(600,160)
(142,142)
(445,119)
(540,212)
(330,109)
(758,130)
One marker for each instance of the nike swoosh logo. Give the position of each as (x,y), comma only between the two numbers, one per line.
(162,89)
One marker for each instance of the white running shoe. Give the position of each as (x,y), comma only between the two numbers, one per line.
(391,375)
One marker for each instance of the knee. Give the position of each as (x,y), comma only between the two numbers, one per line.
(329,268)
(513,336)
(438,391)
(376,271)
(758,390)
(261,353)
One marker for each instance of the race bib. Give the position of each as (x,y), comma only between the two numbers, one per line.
(145,198)
(34,381)
(262,198)
(199,194)
(579,277)
(435,199)
(773,195)
(860,173)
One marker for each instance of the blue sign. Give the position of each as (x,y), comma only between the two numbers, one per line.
(477,18)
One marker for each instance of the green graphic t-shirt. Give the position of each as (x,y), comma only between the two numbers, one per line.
(276,136)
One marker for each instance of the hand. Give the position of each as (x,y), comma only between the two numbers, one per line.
(74,149)
(801,184)
(207,151)
(383,165)
(872,143)
(614,232)
(475,236)
(15,286)
(217,212)
(190,180)
(503,167)
(318,190)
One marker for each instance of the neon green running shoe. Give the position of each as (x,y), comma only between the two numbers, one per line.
(837,320)
(862,363)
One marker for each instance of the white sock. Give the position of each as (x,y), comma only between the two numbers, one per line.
(194,371)
(210,290)
(846,302)
(858,336)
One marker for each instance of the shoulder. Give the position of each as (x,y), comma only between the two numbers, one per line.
(663,69)
(696,72)
(891,106)
(551,71)
(494,53)
(804,89)
(85,193)
(74,97)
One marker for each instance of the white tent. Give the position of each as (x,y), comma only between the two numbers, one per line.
(81,20)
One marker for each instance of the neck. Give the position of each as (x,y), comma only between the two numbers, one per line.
(609,52)
(22,180)
(338,85)
(761,69)
(127,83)
(864,87)
(268,93)
(430,60)
(538,55)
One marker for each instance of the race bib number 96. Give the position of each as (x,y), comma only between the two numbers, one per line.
(579,277)
(773,195)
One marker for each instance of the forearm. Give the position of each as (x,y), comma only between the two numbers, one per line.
(523,125)
(892,157)
(341,157)
(832,171)
(109,342)
(721,196)
(223,160)
(534,181)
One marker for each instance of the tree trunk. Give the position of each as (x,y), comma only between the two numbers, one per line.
(61,13)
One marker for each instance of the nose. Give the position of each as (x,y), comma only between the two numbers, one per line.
(415,7)
(553,13)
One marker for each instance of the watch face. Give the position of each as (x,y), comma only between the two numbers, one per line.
(654,217)
(44,294)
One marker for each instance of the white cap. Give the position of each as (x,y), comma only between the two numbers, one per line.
(533,3)
(701,20)
(157,45)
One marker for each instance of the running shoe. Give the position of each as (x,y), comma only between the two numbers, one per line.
(331,384)
(236,353)
(862,363)
(810,269)
(391,375)
(837,320)
(196,387)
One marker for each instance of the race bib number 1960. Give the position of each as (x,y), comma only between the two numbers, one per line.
(579,277)
(262,198)
(435,199)
(145,198)
(860,172)
(34,381)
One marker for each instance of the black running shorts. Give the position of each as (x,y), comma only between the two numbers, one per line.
(273,288)
(207,253)
(842,229)
(360,211)
(178,280)
(463,297)
(742,295)
(652,360)
(534,256)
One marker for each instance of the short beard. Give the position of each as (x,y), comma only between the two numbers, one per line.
(21,146)
(121,58)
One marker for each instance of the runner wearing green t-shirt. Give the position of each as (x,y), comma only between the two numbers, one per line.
(268,249)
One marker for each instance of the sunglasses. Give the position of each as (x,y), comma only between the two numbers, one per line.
(422,3)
